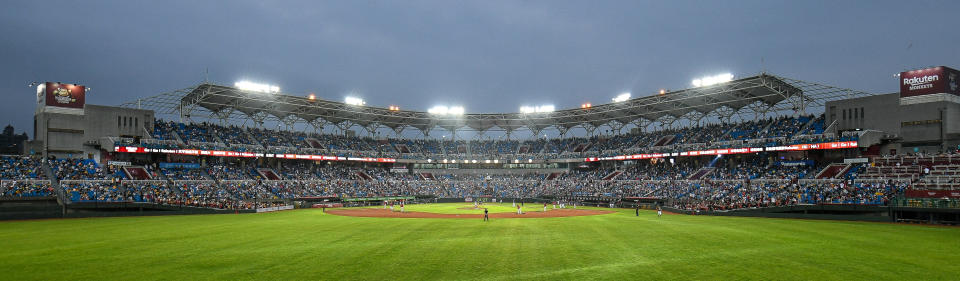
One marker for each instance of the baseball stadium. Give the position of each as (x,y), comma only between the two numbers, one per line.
(736,179)
(732,176)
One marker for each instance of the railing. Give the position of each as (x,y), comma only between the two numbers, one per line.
(816,181)
(766,181)
(938,203)
(248,147)
(159,142)
(114,141)
(208,144)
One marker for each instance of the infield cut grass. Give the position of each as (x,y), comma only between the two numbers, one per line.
(309,244)
(467,208)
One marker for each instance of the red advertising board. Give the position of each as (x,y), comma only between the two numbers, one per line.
(65,95)
(933,80)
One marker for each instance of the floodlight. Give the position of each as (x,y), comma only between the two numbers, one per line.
(443,110)
(622,97)
(537,109)
(256,87)
(354,101)
(712,80)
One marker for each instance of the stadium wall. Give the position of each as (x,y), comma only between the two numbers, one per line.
(77,135)
(819,212)
(925,123)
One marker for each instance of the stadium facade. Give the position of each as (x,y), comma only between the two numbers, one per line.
(754,142)
(924,118)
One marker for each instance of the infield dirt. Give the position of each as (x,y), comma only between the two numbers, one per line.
(381,213)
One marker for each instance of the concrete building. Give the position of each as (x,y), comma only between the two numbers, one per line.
(72,129)
(923,117)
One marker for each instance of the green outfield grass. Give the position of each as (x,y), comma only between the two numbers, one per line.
(309,244)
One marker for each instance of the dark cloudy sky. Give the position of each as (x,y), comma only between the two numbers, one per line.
(490,56)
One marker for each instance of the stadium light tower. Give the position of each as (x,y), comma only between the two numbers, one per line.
(622,97)
(257,87)
(712,80)
(354,101)
(537,109)
(444,110)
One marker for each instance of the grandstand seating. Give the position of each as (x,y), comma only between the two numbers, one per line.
(770,132)
(26,188)
(729,184)
(738,182)
(20,168)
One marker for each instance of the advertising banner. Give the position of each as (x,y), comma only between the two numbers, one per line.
(933,80)
(179,165)
(65,95)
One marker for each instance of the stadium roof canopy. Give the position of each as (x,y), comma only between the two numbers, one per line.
(751,97)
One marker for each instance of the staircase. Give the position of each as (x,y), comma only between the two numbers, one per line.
(137,173)
(553,176)
(427,176)
(804,128)
(763,131)
(664,140)
(55,184)
(268,174)
(612,175)
(252,139)
(699,174)
(364,176)
(833,171)
(313,143)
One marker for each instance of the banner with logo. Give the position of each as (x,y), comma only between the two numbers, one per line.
(933,80)
(65,95)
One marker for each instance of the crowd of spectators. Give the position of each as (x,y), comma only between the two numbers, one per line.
(77,169)
(732,184)
(770,131)
(180,173)
(20,168)
(26,189)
